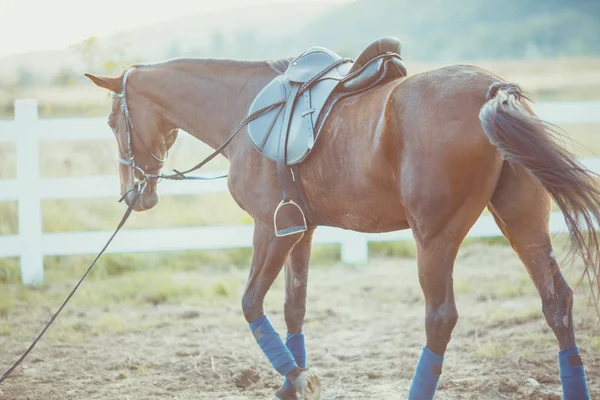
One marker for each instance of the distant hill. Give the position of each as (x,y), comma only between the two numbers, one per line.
(239,32)
(430,30)
(235,32)
(434,30)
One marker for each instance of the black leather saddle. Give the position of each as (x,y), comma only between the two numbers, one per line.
(310,86)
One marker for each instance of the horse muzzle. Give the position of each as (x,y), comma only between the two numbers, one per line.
(147,199)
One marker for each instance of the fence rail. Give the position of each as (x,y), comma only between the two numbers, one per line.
(27,131)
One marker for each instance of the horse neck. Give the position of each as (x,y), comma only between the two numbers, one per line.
(206,98)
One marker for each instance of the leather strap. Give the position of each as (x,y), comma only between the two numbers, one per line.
(283,175)
(307,117)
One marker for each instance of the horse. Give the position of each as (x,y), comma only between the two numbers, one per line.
(427,152)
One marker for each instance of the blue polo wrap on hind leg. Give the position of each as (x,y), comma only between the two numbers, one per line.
(572,375)
(427,375)
(271,344)
(295,343)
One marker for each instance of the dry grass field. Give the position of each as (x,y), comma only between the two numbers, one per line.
(169,333)
(169,325)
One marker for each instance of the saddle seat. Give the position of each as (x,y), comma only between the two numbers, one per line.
(369,65)
(306,92)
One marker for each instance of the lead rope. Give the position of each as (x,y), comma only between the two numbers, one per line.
(123,220)
(180,175)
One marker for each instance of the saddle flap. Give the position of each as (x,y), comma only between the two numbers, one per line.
(259,130)
(302,131)
(313,61)
(264,132)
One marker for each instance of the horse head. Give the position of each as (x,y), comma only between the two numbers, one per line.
(144,137)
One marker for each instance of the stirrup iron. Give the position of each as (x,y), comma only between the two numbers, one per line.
(293,229)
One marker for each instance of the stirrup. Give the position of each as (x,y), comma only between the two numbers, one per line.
(293,229)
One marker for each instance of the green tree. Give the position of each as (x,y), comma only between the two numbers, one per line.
(218,45)
(89,49)
(174,49)
(65,76)
(26,78)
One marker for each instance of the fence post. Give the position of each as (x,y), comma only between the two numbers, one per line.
(28,178)
(354,248)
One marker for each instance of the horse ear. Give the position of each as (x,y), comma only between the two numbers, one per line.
(112,84)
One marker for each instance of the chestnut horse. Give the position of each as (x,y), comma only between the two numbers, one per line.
(427,152)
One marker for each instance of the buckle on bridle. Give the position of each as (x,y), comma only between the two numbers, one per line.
(141,185)
(138,186)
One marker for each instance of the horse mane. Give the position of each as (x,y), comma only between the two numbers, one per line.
(278,66)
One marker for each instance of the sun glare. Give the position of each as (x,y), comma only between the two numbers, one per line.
(34,25)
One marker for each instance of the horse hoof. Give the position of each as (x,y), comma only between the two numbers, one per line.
(308,386)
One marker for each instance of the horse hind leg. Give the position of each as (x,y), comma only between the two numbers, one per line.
(436,258)
(438,237)
(521,208)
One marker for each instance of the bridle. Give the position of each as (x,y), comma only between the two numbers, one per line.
(130,158)
(144,176)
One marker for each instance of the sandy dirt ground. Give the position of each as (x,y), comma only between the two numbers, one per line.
(364,328)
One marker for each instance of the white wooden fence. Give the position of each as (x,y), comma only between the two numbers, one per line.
(31,244)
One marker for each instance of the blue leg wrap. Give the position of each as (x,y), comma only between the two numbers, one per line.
(271,344)
(572,375)
(295,343)
(427,375)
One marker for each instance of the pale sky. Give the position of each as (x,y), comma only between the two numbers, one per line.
(31,25)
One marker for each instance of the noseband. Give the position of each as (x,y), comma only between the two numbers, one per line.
(129,128)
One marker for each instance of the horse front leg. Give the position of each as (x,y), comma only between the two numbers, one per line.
(270,253)
(296,281)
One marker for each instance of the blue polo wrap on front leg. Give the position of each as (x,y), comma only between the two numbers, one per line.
(427,375)
(295,343)
(271,344)
(572,375)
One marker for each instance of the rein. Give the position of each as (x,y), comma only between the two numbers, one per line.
(180,175)
(141,184)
